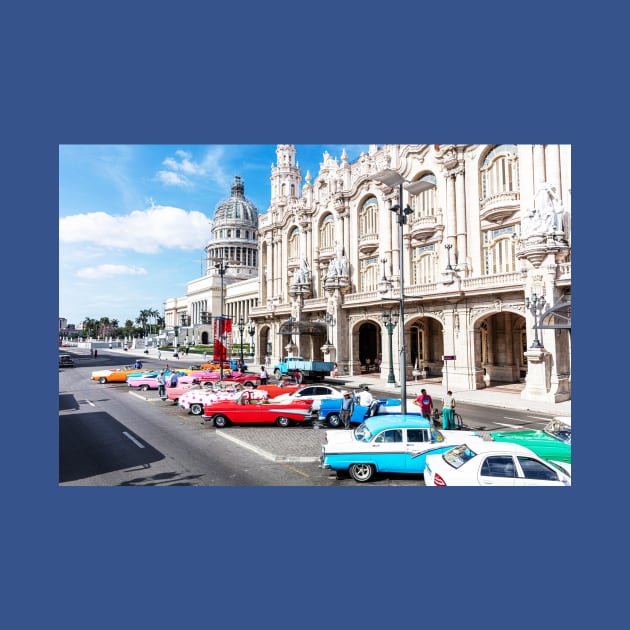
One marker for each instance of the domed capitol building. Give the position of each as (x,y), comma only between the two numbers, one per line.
(477,235)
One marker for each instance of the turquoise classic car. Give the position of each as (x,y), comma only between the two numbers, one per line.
(385,443)
(552,443)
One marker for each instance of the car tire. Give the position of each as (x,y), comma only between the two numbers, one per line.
(249,384)
(334,420)
(277,374)
(196,409)
(220,421)
(144,388)
(361,472)
(283,421)
(102,380)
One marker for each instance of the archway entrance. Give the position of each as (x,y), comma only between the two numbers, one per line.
(370,351)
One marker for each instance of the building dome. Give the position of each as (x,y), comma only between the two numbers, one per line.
(237,210)
(234,239)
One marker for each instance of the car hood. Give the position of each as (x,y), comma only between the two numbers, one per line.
(529,435)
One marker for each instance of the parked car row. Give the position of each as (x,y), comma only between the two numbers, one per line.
(383,440)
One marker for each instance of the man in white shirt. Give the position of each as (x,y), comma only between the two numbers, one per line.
(364,397)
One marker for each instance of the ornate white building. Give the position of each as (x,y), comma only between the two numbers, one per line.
(485,235)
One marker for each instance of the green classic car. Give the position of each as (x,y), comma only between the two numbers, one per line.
(553,443)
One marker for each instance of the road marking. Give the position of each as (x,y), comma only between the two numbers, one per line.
(512,426)
(89,402)
(299,472)
(133,439)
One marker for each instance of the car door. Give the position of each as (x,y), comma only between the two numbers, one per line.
(497,470)
(417,443)
(534,472)
(389,451)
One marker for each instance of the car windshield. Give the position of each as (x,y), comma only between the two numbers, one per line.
(458,456)
(559,430)
(362,433)
(560,467)
(436,436)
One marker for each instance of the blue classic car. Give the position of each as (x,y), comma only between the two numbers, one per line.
(388,443)
(329,410)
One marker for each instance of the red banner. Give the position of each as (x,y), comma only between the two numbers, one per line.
(222,337)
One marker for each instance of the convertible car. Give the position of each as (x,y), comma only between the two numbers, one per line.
(248,380)
(246,410)
(552,443)
(388,443)
(118,375)
(194,400)
(329,409)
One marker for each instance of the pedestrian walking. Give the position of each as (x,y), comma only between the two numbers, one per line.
(161,385)
(425,402)
(264,375)
(347,407)
(364,397)
(448,411)
(159,355)
(95,353)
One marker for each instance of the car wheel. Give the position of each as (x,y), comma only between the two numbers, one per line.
(196,409)
(102,380)
(334,420)
(283,421)
(361,472)
(277,374)
(220,421)
(144,388)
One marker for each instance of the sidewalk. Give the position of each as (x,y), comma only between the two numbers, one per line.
(504,396)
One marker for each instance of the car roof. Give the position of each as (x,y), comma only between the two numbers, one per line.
(396,421)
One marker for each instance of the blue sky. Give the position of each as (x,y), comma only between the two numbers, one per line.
(133,219)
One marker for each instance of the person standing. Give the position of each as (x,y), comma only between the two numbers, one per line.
(161,384)
(264,376)
(364,397)
(347,407)
(425,402)
(448,411)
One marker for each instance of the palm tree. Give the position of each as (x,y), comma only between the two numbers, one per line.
(153,313)
(142,319)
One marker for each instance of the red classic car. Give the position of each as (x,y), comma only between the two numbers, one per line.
(277,390)
(245,410)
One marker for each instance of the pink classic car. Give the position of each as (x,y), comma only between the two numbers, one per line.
(248,380)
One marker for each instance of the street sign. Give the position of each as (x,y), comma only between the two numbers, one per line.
(448,357)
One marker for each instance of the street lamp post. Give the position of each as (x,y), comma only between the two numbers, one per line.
(241,328)
(389,320)
(391,178)
(535,306)
(251,329)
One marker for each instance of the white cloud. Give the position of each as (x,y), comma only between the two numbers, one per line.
(147,231)
(173,179)
(107,271)
(181,170)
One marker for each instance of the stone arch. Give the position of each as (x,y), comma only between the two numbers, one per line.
(425,342)
(500,342)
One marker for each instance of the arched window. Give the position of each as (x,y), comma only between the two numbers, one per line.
(327,232)
(368,274)
(499,172)
(294,243)
(368,217)
(284,190)
(499,251)
(423,204)
(423,265)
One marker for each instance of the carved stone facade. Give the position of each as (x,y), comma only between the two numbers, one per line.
(489,227)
